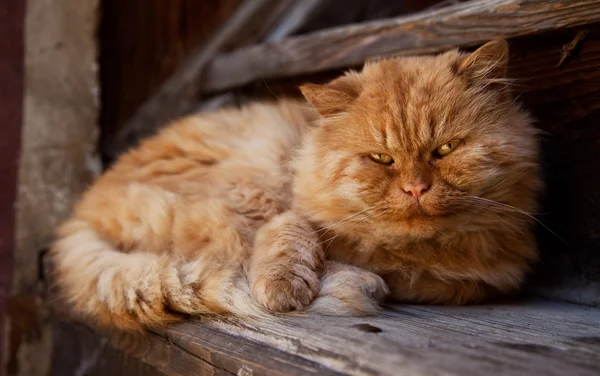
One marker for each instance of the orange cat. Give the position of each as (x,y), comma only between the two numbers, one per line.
(412,178)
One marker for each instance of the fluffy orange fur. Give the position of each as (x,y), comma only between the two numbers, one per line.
(411,179)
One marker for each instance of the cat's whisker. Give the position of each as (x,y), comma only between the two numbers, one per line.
(376,214)
(347,218)
(484,178)
(504,211)
(328,228)
(269,88)
(331,242)
(489,189)
(371,216)
(515,209)
(499,204)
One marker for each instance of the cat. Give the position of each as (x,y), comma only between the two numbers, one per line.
(410,180)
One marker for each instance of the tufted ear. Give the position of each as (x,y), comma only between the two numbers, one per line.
(488,64)
(335,96)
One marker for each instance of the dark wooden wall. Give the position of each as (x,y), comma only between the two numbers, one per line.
(142,42)
(12,18)
(565,100)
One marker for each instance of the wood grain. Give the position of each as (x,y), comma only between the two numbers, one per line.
(533,337)
(464,24)
(214,352)
(217,346)
(12,20)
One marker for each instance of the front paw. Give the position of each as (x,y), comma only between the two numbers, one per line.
(286,264)
(347,290)
(285,288)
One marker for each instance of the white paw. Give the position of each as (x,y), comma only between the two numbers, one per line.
(347,290)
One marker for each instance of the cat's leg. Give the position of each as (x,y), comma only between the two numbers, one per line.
(347,290)
(286,264)
(425,288)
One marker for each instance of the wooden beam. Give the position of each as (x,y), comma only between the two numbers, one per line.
(464,24)
(12,20)
(295,18)
(178,95)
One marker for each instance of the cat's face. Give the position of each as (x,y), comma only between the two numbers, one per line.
(414,144)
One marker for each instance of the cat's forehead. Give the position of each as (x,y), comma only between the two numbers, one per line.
(414,104)
(423,83)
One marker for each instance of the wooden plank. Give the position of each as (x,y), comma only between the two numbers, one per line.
(464,24)
(235,355)
(185,354)
(178,95)
(163,355)
(532,337)
(12,19)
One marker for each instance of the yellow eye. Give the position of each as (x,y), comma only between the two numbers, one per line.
(447,148)
(381,158)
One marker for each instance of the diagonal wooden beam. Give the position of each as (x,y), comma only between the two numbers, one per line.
(253,21)
(249,24)
(463,24)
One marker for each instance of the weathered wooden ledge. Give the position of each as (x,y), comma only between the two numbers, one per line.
(461,25)
(532,337)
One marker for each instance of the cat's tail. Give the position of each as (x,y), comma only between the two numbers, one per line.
(138,289)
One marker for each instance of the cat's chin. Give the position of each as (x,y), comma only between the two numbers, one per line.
(418,226)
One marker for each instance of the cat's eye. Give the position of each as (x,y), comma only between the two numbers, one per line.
(381,158)
(447,148)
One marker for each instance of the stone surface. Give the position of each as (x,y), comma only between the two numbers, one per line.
(57,159)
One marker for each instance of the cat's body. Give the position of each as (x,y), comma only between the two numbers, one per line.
(278,207)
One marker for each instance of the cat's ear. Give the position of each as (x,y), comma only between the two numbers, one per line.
(335,96)
(488,64)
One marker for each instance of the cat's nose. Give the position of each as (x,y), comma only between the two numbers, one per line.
(415,189)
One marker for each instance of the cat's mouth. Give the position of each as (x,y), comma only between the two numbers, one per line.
(418,212)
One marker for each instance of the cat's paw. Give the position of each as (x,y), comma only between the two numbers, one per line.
(347,290)
(286,264)
(286,288)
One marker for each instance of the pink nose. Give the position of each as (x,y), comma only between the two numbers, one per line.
(415,189)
